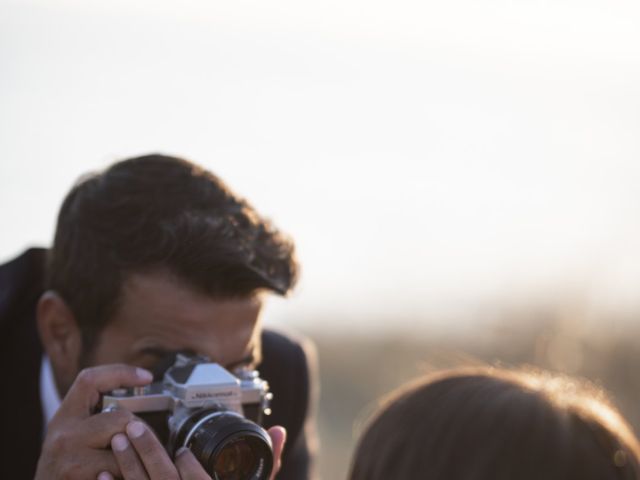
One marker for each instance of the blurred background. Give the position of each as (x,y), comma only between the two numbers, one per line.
(461,177)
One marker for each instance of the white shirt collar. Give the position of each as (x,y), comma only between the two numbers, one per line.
(49,396)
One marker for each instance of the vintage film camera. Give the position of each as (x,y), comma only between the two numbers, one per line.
(217,415)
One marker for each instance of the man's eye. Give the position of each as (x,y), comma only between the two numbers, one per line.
(155,352)
(150,357)
(247,362)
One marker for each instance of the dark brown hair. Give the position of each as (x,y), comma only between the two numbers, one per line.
(162,212)
(492,424)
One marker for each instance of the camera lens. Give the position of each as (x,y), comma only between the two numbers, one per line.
(237,459)
(228,446)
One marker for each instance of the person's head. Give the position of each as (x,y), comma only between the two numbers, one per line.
(155,255)
(491,424)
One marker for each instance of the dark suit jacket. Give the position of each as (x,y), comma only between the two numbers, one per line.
(286,366)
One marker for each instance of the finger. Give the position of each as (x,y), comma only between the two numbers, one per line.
(151,452)
(131,467)
(99,429)
(278,436)
(91,382)
(188,467)
(88,464)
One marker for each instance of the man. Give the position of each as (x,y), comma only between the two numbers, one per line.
(152,256)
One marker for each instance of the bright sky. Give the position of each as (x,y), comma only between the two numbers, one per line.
(429,157)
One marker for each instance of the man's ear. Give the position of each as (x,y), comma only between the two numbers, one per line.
(60,337)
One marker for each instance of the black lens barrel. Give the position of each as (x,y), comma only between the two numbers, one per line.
(227,445)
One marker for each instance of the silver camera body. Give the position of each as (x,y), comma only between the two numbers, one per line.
(194,402)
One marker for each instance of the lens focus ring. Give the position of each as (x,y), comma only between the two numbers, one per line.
(227,445)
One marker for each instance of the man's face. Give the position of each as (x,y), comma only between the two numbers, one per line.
(159,314)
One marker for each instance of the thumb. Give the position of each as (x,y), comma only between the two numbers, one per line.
(278,436)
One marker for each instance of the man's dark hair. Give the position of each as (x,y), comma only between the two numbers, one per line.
(161,212)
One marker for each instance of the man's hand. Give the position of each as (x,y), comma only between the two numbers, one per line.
(77,441)
(75,446)
(141,456)
(278,438)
